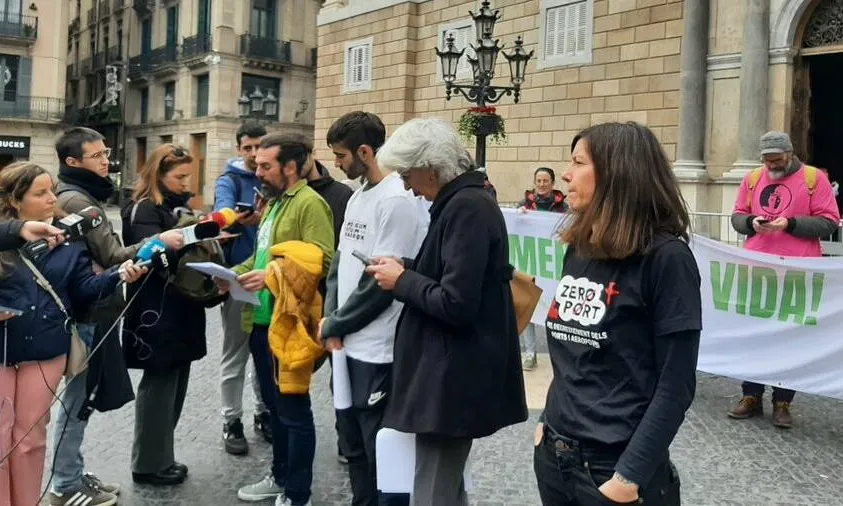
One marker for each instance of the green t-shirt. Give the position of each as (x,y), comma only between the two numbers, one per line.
(263,313)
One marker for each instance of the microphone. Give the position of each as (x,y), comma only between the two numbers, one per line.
(73,226)
(225,217)
(152,254)
(76,226)
(199,232)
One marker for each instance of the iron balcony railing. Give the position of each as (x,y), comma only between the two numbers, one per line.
(86,66)
(196,45)
(113,55)
(264,48)
(163,55)
(140,65)
(105,9)
(143,7)
(37,108)
(18,26)
(157,58)
(73,71)
(74,25)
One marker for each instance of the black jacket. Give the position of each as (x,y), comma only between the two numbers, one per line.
(163,329)
(335,194)
(10,235)
(457,369)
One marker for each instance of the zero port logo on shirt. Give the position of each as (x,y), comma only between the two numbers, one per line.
(775,199)
(355,231)
(580,300)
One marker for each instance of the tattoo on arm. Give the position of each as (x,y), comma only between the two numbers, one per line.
(621,478)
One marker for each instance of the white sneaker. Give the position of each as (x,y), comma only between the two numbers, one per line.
(264,489)
(281,500)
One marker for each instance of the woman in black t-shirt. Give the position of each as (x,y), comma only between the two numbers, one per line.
(623,329)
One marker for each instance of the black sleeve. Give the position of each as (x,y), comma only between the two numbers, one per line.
(672,292)
(10,235)
(676,356)
(147,223)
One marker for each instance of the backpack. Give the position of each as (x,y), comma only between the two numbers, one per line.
(810,174)
(190,282)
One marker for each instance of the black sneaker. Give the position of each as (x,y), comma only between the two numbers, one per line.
(263,426)
(235,441)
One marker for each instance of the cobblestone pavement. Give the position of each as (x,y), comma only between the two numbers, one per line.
(722,462)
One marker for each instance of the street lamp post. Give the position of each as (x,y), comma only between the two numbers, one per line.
(481,91)
(258,106)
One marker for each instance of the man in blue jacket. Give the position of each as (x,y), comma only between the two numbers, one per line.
(235,185)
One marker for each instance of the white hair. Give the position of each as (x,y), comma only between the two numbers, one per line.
(425,143)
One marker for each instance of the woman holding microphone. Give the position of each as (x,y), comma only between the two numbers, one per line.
(623,329)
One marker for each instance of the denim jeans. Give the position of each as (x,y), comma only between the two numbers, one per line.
(69,430)
(530,335)
(570,474)
(293,430)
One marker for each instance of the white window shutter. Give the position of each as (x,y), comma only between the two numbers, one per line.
(571,20)
(582,28)
(366,57)
(551,32)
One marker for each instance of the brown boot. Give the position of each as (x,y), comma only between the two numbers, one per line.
(781,415)
(748,406)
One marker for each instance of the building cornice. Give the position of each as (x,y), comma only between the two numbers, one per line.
(733,60)
(358,8)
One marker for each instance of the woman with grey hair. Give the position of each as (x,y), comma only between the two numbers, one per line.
(457,372)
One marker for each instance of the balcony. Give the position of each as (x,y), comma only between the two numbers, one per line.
(163,57)
(117,6)
(139,66)
(113,55)
(262,48)
(99,61)
(18,27)
(92,16)
(160,58)
(143,7)
(33,108)
(86,66)
(73,72)
(198,45)
(105,9)
(74,26)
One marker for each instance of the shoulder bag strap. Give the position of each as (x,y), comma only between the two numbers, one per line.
(43,283)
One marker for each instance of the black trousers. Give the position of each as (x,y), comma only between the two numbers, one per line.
(570,474)
(358,428)
(757,389)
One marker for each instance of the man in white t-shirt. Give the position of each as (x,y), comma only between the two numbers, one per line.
(382,219)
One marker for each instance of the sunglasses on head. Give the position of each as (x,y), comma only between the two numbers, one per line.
(174,156)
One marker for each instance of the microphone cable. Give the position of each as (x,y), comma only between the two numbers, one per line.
(5,457)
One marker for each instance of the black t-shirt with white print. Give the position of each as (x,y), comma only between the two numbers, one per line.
(603,331)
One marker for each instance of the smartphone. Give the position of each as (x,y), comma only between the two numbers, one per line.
(16,312)
(363,258)
(244,207)
(258,193)
(763,221)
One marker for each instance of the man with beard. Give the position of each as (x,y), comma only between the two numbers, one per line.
(783,207)
(293,212)
(83,182)
(382,220)
(236,185)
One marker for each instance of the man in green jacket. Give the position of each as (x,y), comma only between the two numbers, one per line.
(293,212)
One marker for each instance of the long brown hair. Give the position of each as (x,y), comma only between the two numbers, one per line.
(636,194)
(163,159)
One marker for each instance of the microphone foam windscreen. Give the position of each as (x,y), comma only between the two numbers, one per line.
(230,216)
(206,230)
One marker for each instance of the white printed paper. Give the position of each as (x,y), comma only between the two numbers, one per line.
(342,384)
(396,462)
(235,288)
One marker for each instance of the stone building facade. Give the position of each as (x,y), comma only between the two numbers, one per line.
(186,66)
(708,76)
(32,68)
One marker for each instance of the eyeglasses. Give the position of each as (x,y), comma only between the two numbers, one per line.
(105,153)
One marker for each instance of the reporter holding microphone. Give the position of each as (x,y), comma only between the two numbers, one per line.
(164,330)
(34,345)
(623,328)
(14,233)
(84,183)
